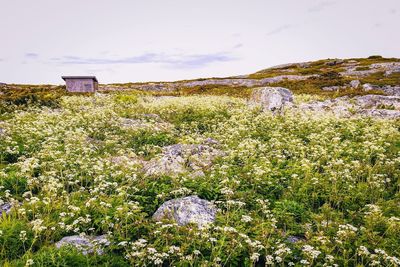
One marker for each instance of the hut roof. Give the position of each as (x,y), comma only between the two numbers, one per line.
(79,77)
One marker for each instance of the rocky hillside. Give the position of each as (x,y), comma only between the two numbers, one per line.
(329,77)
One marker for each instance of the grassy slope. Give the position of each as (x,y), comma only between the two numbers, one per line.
(328,76)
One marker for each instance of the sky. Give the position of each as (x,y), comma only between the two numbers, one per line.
(134,41)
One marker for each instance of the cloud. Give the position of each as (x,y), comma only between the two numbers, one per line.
(279,29)
(176,61)
(31,55)
(320,6)
(96,70)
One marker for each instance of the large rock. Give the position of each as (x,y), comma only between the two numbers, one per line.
(271,98)
(186,210)
(85,244)
(182,158)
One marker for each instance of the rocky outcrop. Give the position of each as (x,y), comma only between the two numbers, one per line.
(234,82)
(247,82)
(387,107)
(158,87)
(378,101)
(353,72)
(387,89)
(271,98)
(183,211)
(291,65)
(85,244)
(388,68)
(182,158)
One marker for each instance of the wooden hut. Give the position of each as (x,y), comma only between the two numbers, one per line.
(85,84)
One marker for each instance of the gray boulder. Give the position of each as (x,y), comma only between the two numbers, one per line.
(191,209)
(5,207)
(182,158)
(271,98)
(85,244)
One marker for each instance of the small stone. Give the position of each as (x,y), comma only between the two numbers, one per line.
(191,209)
(5,207)
(295,239)
(355,84)
(368,87)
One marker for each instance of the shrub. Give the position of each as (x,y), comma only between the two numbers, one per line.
(16,238)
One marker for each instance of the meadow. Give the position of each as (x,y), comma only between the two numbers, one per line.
(290,189)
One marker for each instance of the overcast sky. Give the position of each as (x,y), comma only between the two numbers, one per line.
(148,40)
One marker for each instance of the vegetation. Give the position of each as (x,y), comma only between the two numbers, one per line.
(291,190)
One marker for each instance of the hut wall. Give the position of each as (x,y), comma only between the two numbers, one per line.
(80,85)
